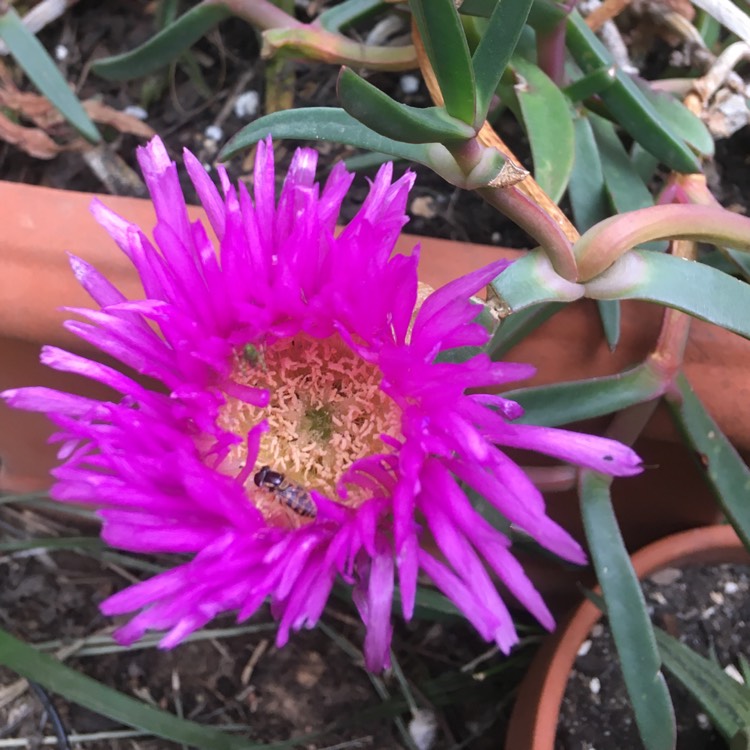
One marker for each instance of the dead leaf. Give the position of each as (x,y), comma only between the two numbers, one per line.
(34,141)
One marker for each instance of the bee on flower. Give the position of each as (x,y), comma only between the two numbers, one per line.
(306,430)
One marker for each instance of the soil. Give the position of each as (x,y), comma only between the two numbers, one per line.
(708,609)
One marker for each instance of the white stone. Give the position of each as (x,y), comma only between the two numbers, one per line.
(246,105)
(214,133)
(61,53)
(409,84)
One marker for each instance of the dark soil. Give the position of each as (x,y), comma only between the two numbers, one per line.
(708,609)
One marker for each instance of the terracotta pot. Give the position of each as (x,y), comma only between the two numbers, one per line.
(533,724)
(41,225)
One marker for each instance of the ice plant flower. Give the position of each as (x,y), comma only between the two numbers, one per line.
(305,428)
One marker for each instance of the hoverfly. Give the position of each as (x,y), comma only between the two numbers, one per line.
(293,496)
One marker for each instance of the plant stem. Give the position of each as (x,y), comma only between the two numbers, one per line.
(516,205)
(318,44)
(665,361)
(609,239)
(259,13)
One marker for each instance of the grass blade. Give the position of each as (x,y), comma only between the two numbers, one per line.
(57,678)
(38,66)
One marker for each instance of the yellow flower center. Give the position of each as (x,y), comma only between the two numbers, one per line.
(326,412)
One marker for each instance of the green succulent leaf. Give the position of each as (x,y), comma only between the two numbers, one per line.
(724,700)
(531,280)
(322,124)
(574,401)
(631,627)
(448,51)
(165,46)
(623,99)
(549,126)
(587,189)
(623,184)
(723,467)
(481,8)
(495,48)
(591,84)
(347,13)
(380,113)
(687,125)
(694,288)
(29,53)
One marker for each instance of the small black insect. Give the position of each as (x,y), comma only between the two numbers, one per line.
(294,496)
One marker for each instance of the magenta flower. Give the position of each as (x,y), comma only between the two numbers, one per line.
(304,429)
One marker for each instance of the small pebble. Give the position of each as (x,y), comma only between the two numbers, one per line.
(409,84)
(731,587)
(597,630)
(716,597)
(246,105)
(496,237)
(584,649)
(214,133)
(135,111)
(708,613)
(595,685)
(658,597)
(666,576)
(61,53)
(702,721)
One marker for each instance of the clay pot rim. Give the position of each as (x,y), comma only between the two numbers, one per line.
(533,723)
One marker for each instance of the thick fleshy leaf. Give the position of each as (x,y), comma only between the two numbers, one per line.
(532,280)
(448,51)
(84,691)
(592,84)
(322,124)
(628,617)
(549,126)
(723,467)
(495,48)
(588,197)
(165,46)
(587,189)
(623,99)
(624,186)
(376,110)
(564,403)
(719,695)
(687,125)
(347,13)
(694,288)
(38,66)
(481,8)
